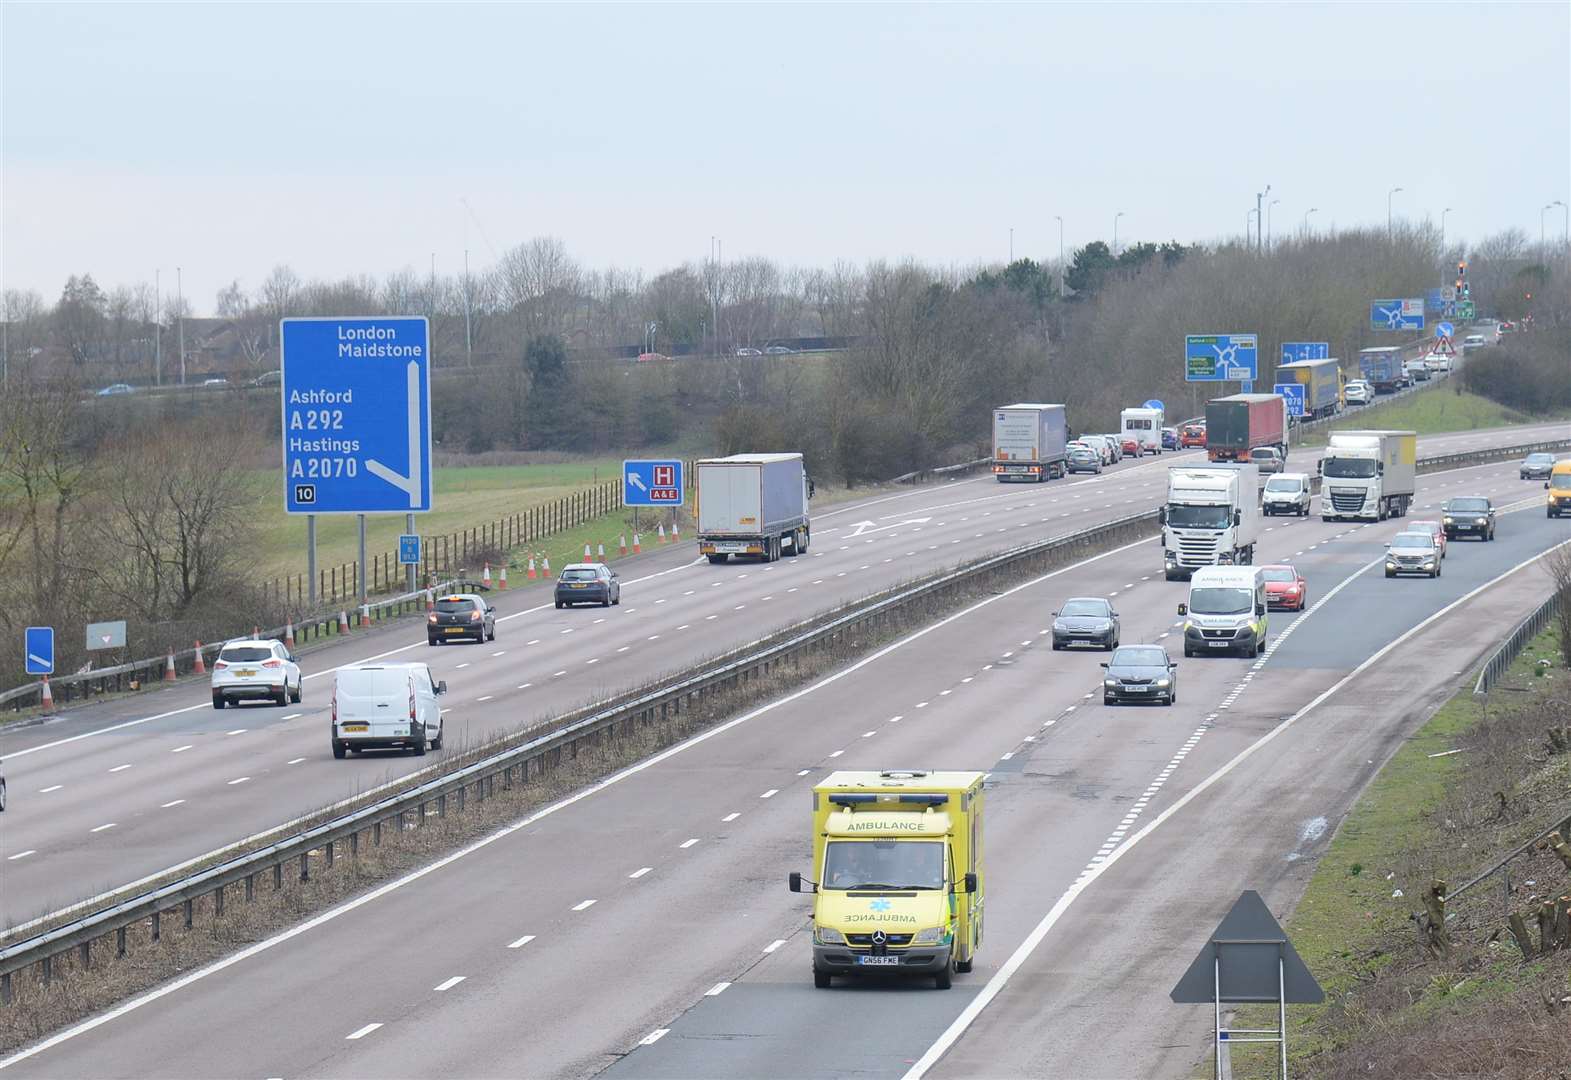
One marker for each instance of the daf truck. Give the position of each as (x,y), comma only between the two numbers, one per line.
(1238,424)
(1211,517)
(1381,367)
(753,504)
(897,858)
(1029,443)
(1144,428)
(1368,475)
(1322,383)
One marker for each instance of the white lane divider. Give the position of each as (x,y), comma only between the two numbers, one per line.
(172,802)
(640,872)
(653,1037)
(584,905)
(448,984)
(689,842)
(521,942)
(362,1032)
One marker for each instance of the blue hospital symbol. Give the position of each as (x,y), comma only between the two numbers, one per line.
(879,905)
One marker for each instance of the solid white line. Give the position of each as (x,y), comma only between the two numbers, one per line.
(449,984)
(653,1037)
(521,942)
(717,989)
(1022,953)
(360,1034)
(773,945)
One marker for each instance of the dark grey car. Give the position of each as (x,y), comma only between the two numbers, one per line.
(1086,620)
(1140,673)
(588,583)
(1537,466)
(1469,515)
(460,616)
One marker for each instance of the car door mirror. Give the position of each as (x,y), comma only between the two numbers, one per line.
(970,882)
(490,609)
(1102,664)
(441,686)
(1161,515)
(1546,485)
(794,882)
(1183,609)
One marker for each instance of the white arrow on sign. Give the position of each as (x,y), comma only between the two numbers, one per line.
(864,527)
(411,483)
(38,661)
(637,481)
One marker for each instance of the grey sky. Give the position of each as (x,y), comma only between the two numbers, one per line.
(340,139)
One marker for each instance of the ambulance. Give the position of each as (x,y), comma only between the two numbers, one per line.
(898,860)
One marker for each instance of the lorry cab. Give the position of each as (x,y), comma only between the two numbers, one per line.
(898,861)
(1226,611)
(1558,501)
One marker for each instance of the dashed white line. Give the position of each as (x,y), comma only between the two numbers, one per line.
(34,851)
(119,768)
(689,842)
(174,802)
(521,942)
(775,944)
(182,749)
(101,828)
(51,787)
(640,872)
(362,1032)
(732,816)
(238,780)
(583,905)
(653,1037)
(770,794)
(717,989)
(448,984)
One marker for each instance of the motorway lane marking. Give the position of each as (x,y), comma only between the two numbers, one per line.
(362,1032)
(770,794)
(653,1037)
(732,816)
(775,944)
(684,626)
(583,905)
(119,768)
(238,780)
(486,697)
(449,983)
(176,750)
(101,828)
(172,802)
(51,787)
(803,772)
(717,989)
(236,731)
(294,716)
(869,734)
(689,842)
(558,675)
(525,686)
(536,641)
(463,665)
(624,648)
(640,872)
(21,855)
(294,761)
(596,660)
(500,652)
(837,753)
(1023,952)
(521,942)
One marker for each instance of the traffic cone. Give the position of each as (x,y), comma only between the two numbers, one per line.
(676,532)
(662,532)
(485,578)
(169,667)
(589,556)
(622,545)
(601,548)
(343,622)
(47,701)
(365,615)
(502,583)
(545,566)
(199,667)
(532,574)
(638,548)
(289,636)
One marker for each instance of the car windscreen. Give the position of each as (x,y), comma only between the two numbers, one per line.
(245,654)
(887,864)
(1349,468)
(1468,506)
(1540,459)
(1199,517)
(451,606)
(1262,454)
(1284,483)
(1414,541)
(1139,657)
(578,575)
(1092,609)
(1215,600)
(1279,575)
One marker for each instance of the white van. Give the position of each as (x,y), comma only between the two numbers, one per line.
(1226,611)
(1287,493)
(385,705)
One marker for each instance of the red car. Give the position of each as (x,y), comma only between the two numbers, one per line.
(1285,588)
(1193,435)
(1131,447)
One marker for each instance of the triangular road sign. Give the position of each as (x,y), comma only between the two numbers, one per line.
(1443,346)
(1249,942)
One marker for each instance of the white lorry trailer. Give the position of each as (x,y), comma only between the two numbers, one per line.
(753,504)
(1368,475)
(1144,428)
(1211,517)
(1029,443)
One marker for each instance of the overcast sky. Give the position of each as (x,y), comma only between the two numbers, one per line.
(228,138)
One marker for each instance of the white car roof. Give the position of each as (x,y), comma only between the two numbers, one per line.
(259,642)
(580,566)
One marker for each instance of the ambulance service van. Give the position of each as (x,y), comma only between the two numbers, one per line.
(898,861)
(1226,611)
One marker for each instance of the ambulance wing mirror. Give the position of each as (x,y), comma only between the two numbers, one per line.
(970,882)
(1183,609)
(795,882)
(441,686)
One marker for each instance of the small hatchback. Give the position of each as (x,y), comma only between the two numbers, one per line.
(1286,589)
(588,583)
(461,616)
(255,670)
(1084,459)
(1268,459)
(1140,673)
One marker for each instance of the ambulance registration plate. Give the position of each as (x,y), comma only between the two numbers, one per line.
(878,961)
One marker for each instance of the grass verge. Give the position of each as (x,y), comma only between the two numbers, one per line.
(1439,410)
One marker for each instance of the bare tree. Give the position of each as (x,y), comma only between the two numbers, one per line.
(541,282)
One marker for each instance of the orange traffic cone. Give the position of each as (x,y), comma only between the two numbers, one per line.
(601,548)
(289,636)
(622,545)
(589,556)
(47,701)
(502,583)
(485,578)
(676,532)
(662,532)
(343,622)
(169,667)
(532,574)
(545,566)
(198,667)
(365,615)
(637,547)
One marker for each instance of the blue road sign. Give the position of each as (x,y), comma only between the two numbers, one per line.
(40,642)
(1155,403)
(1444,329)
(1293,394)
(357,415)
(1221,357)
(1434,300)
(1247,386)
(1293,351)
(408,549)
(1396,314)
(652,483)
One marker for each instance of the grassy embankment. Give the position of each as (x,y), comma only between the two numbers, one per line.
(1435,411)
(1391,1009)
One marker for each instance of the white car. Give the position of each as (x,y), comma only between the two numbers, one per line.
(1472,341)
(1439,363)
(254,669)
(1359,392)
(382,706)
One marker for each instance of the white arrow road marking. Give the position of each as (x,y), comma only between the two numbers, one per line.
(864,527)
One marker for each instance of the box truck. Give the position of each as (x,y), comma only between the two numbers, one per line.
(753,504)
(1028,442)
(1143,427)
(1322,383)
(1368,475)
(1211,517)
(1238,424)
(1381,367)
(897,858)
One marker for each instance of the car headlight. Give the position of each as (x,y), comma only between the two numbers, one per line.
(1448,519)
(1481,521)
(1164,682)
(1390,565)
(828,935)
(931,936)
(1109,683)
(1188,626)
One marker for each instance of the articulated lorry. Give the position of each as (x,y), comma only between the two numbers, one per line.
(1238,424)
(1029,443)
(1211,517)
(898,861)
(1322,381)
(1382,368)
(1368,475)
(753,504)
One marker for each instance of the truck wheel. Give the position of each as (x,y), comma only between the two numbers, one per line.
(821,979)
(718,558)
(944,979)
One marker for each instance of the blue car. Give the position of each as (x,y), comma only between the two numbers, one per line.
(1169,438)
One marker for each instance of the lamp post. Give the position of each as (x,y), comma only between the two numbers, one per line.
(1566,211)
(1253,214)
(1011,245)
(1311,210)
(1260,199)
(1443,214)
(1115,232)
(1541,215)
(1060,256)
(1389,194)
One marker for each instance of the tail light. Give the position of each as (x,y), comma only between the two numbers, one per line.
(474,616)
(219,665)
(272,663)
(412,716)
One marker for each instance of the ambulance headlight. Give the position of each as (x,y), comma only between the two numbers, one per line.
(931,936)
(828,935)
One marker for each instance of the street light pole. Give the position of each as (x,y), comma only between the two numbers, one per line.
(1011,244)
(1541,215)
(180,321)
(1260,198)
(1443,214)
(1311,210)
(1389,194)
(158,331)
(1268,221)
(1565,210)
(1060,256)
(1115,232)
(1253,214)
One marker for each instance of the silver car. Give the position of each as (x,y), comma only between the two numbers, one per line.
(1086,620)
(256,670)
(1268,459)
